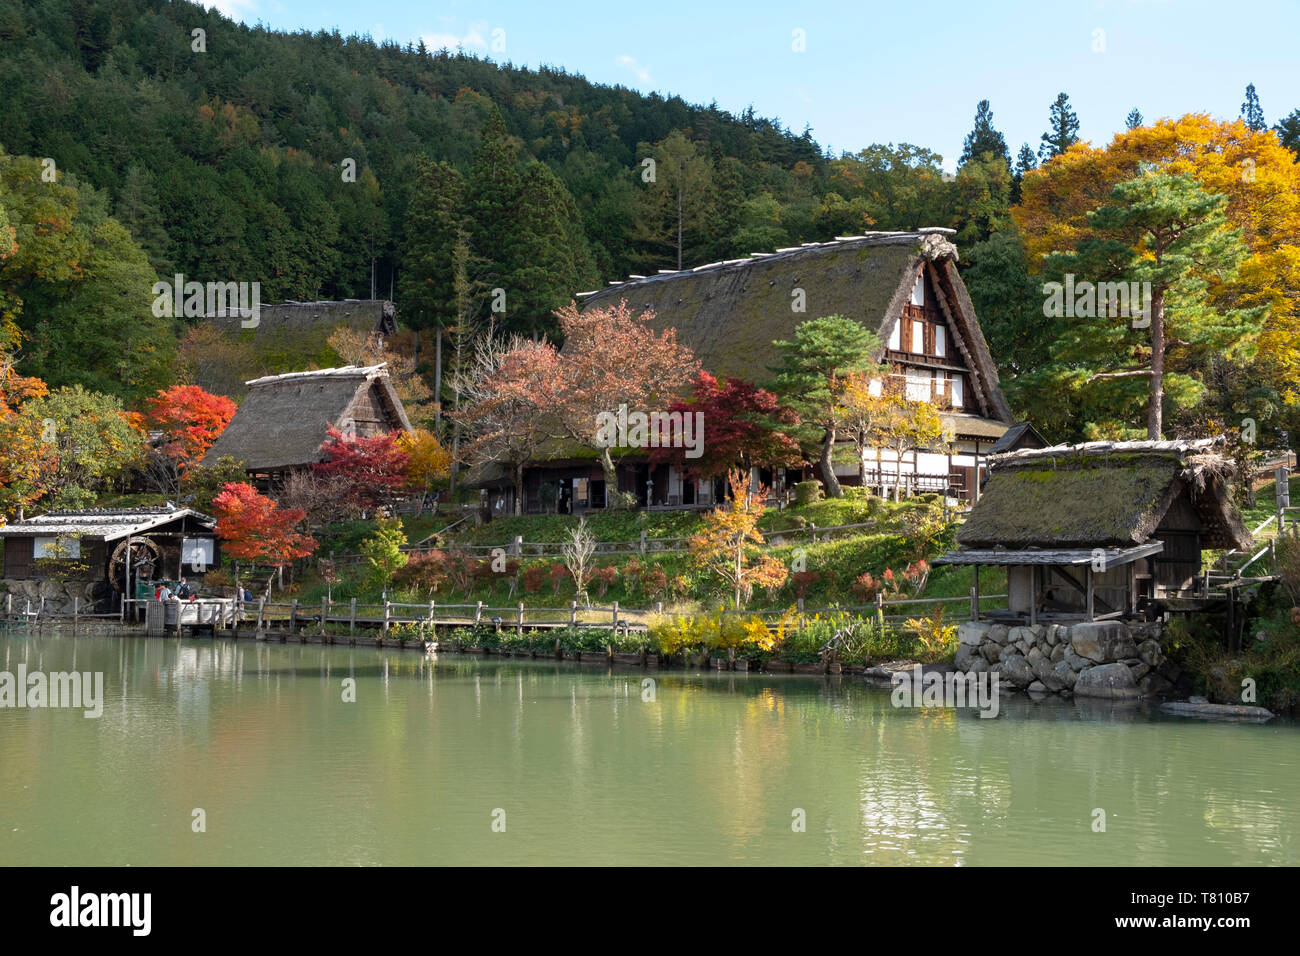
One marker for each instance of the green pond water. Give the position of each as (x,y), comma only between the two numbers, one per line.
(711,771)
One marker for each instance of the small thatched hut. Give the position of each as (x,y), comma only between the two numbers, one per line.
(282,422)
(1099,529)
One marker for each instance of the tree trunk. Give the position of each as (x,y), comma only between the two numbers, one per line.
(862,467)
(611,477)
(519,489)
(833,489)
(1155,407)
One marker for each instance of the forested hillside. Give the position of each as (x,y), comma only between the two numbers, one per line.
(143,138)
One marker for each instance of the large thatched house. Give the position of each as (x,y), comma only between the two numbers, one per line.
(282,423)
(904,286)
(1099,529)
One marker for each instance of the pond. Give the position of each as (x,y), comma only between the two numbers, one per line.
(466,760)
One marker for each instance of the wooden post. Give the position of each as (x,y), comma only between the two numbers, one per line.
(352,617)
(293,616)
(880,609)
(324,612)
(261,611)
(615,614)
(519,627)
(27,611)
(478,613)
(9,606)
(1088,572)
(387,612)
(518,547)
(75,615)
(431,610)
(1033,595)
(643,538)
(573,613)
(975,596)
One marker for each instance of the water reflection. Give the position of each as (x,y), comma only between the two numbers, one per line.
(714,769)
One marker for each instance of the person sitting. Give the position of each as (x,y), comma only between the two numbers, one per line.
(163,593)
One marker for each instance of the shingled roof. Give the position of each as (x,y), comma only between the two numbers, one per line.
(1102,494)
(730,312)
(283,420)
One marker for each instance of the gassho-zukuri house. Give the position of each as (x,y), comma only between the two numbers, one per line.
(282,422)
(105,549)
(1102,529)
(902,285)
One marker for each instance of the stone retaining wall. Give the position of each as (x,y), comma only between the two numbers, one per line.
(58,595)
(1107,659)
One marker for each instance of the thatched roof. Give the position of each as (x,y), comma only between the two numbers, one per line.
(316,318)
(730,312)
(107,523)
(1102,495)
(283,420)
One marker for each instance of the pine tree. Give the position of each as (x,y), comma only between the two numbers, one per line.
(1064,131)
(1167,231)
(822,354)
(1252,112)
(983,138)
(675,209)
(1133,120)
(433,222)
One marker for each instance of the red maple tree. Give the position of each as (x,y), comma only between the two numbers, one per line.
(373,468)
(743,425)
(255,528)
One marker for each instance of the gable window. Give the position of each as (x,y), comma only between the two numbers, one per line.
(918,291)
(940,343)
(918,385)
(956,390)
(918,337)
(895,336)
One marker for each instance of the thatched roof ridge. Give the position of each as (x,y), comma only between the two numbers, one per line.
(283,420)
(730,312)
(107,523)
(1102,494)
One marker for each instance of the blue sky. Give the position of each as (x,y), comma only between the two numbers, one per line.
(872,71)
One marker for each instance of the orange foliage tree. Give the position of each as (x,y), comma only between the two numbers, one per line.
(188,420)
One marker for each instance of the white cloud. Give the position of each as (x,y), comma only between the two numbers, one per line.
(637,69)
(234,9)
(473,38)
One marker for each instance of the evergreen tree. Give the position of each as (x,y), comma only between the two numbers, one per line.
(433,223)
(547,251)
(823,353)
(983,138)
(1064,131)
(1167,231)
(1252,112)
(675,209)
(1025,161)
(490,207)
(1288,132)
(137,209)
(1133,120)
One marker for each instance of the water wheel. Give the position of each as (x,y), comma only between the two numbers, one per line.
(146,557)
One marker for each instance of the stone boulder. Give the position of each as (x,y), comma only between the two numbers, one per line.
(1102,641)
(964,656)
(1015,670)
(990,651)
(1150,653)
(1046,674)
(1065,674)
(1076,662)
(998,633)
(972,632)
(1106,680)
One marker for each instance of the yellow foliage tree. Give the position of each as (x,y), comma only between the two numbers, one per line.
(430,461)
(728,543)
(1252,168)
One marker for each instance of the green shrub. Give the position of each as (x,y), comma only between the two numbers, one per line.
(806,492)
